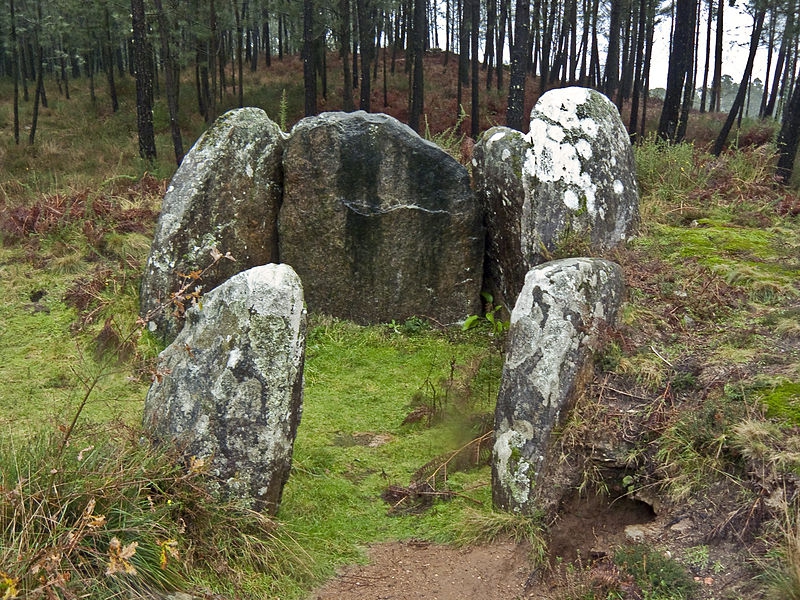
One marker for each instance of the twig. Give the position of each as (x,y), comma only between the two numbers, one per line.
(671,366)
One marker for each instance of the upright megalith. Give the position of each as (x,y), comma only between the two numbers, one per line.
(225,196)
(379,223)
(556,324)
(229,388)
(497,160)
(572,191)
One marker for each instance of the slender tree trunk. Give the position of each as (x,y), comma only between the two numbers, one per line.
(463,41)
(648,53)
(309,71)
(788,138)
(638,69)
(109,66)
(688,89)
(15,68)
(213,50)
(238,16)
(594,63)
(488,57)
(280,37)
(680,64)
(266,36)
(172,79)
(501,38)
(612,59)
(704,91)
(770,44)
(519,67)
(769,109)
(37,97)
(417,85)
(716,80)
(144,83)
(475,13)
(365,32)
(344,53)
(738,102)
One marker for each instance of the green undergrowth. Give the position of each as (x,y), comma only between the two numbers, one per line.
(380,406)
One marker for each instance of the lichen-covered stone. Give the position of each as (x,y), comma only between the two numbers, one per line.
(567,188)
(230,386)
(225,195)
(555,325)
(497,174)
(579,174)
(379,223)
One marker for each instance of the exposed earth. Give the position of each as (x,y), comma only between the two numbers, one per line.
(581,544)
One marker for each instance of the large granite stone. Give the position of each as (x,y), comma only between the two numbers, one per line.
(556,324)
(224,196)
(568,186)
(230,387)
(379,223)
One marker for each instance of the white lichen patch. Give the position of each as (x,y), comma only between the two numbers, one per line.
(552,161)
(517,474)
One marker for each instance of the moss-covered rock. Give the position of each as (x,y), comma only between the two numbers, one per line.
(556,323)
(566,187)
(380,224)
(230,387)
(224,196)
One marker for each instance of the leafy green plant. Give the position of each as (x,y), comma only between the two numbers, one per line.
(451,139)
(492,317)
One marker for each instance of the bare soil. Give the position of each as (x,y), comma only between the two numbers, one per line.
(581,545)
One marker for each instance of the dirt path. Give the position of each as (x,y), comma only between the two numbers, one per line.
(419,570)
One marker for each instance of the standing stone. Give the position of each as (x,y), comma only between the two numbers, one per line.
(555,326)
(575,191)
(224,196)
(230,386)
(379,223)
(497,172)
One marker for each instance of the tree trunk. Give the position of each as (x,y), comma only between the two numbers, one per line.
(144,83)
(612,59)
(638,70)
(769,109)
(519,67)
(172,80)
(488,57)
(366,42)
(108,59)
(738,102)
(716,80)
(417,87)
(309,71)
(704,91)
(266,36)
(463,41)
(788,138)
(344,53)
(475,14)
(239,35)
(15,69)
(688,89)
(763,105)
(680,64)
(501,38)
(648,53)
